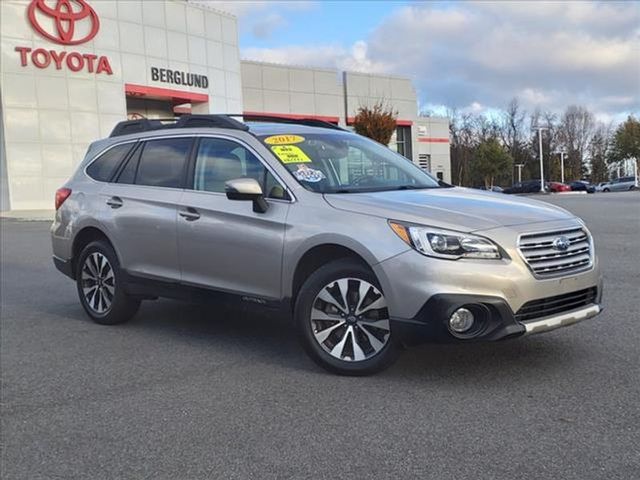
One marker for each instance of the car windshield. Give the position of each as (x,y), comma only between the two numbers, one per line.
(345,163)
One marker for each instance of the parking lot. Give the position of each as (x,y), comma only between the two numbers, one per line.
(189,392)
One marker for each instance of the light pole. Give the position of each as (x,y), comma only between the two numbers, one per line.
(519,166)
(540,129)
(562,152)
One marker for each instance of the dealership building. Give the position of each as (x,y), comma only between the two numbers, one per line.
(71,69)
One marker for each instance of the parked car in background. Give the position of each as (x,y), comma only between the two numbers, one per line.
(620,184)
(528,186)
(600,186)
(494,188)
(582,186)
(558,187)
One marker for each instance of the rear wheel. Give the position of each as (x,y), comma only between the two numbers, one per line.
(100,286)
(343,320)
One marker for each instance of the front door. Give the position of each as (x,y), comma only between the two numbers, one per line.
(223,244)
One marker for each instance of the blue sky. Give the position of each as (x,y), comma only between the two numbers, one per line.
(469,56)
(343,22)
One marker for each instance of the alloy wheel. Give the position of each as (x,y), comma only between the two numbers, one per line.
(350,320)
(98,283)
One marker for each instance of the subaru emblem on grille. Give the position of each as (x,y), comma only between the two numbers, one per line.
(561,243)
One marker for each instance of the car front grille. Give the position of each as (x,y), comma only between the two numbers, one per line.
(546,259)
(546,307)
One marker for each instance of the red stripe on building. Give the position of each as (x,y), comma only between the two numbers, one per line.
(433,140)
(294,116)
(175,95)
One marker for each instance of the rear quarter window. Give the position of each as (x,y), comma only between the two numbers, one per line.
(103,167)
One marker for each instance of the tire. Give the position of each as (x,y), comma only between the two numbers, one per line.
(100,285)
(356,340)
(606,190)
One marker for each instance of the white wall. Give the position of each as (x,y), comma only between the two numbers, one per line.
(365,89)
(50,116)
(271,88)
(431,137)
(4,182)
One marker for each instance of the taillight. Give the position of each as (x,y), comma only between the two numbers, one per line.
(61,195)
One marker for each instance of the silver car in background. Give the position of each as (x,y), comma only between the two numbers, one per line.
(621,184)
(363,250)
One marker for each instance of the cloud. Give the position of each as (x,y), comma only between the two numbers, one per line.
(548,54)
(245,8)
(264,28)
(354,58)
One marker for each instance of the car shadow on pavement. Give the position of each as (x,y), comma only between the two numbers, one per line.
(241,333)
(273,340)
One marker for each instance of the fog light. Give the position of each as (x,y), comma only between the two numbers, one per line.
(461,320)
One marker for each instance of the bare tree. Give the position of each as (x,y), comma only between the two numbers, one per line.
(462,132)
(576,129)
(513,134)
(599,151)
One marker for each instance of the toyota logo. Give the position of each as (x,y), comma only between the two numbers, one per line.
(69,22)
(561,243)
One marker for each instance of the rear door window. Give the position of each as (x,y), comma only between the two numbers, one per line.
(103,168)
(161,164)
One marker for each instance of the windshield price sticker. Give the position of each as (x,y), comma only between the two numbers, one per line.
(290,154)
(283,139)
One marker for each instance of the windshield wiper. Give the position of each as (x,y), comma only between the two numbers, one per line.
(414,187)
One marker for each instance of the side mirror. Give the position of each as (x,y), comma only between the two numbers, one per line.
(247,189)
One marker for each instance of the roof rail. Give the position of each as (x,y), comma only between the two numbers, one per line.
(186,121)
(210,121)
(311,122)
(136,126)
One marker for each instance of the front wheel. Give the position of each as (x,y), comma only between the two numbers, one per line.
(343,320)
(100,285)
(606,190)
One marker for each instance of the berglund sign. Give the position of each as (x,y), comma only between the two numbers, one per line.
(66,22)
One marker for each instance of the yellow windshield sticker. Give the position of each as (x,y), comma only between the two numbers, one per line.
(290,154)
(283,139)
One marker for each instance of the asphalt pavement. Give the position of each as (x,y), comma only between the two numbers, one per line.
(197,392)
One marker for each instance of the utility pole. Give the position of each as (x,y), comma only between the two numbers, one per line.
(562,152)
(540,129)
(519,166)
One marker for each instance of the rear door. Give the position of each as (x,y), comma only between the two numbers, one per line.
(142,207)
(224,244)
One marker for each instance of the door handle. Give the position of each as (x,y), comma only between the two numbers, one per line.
(189,214)
(114,202)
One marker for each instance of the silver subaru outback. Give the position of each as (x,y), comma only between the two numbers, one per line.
(364,251)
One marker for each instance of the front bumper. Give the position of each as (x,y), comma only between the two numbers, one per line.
(498,322)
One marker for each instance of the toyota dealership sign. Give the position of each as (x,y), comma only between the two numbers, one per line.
(68,23)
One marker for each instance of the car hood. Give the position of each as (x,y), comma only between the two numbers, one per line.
(455,208)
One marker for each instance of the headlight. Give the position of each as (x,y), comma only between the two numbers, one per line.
(435,242)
